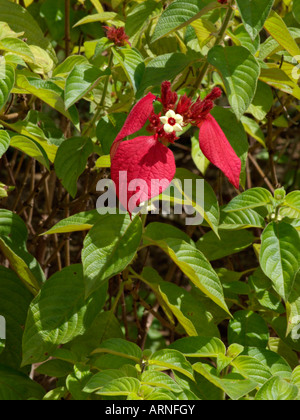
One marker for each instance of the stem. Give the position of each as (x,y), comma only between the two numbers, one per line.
(261,173)
(270,146)
(219,39)
(101,104)
(67,28)
(118,297)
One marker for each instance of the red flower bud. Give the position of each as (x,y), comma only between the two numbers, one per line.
(168,98)
(216,93)
(117,36)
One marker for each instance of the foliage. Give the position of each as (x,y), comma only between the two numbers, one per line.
(136,306)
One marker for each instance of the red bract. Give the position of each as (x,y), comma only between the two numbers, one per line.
(117,36)
(144,167)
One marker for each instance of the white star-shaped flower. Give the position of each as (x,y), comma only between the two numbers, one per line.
(172,122)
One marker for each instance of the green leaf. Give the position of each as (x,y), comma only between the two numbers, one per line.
(82,79)
(296,10)
(20,267)
(59,314)
(71,160)
(4,142)
(254,130)
(291,205)
(14,235)
(101,379)
(43,63)
(251,368)
(172,359)
(293,309)
(122,348)
(240,71)
(242,38)
(264,291)
(280,256)
(235,134)
(58,394)
(209,209)
(137,21)
(279,31)
(97,5)
(77,380)
(243,219)
(278,79)
(15,386)
(104,327)
(108,128)
(201,347)
(235,386)
(248,329)
(103,162)
(42,129)
(121,387)
(277,389)
(161,68)
(181,13)
(20,20)
(65,68)
(280,326)
(30,148)
(160,380)
(199,159)
(6,32)
(254,14)
(48,92)
(277,365)
(262,101)
(182,250)
(296,376)
(14,303)
(109,248)
(132,63)
(100,17)
(250,199)
(7,81)
(55,368)
(15,45)
(276,345)
(77,223)
(190,313)
(230,242)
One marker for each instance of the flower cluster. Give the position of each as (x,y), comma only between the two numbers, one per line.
(117,36)
(179,113)
(148,158)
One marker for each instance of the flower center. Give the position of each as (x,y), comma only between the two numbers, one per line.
(172,121)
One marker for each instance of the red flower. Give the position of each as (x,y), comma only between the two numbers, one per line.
(144,167)
(223,1)
(117,36)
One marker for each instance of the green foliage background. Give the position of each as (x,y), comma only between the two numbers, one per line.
(105,307)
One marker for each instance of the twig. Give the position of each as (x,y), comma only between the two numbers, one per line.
(67,28)
(33,193)
(261,173)
(8,167)
(20,191)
